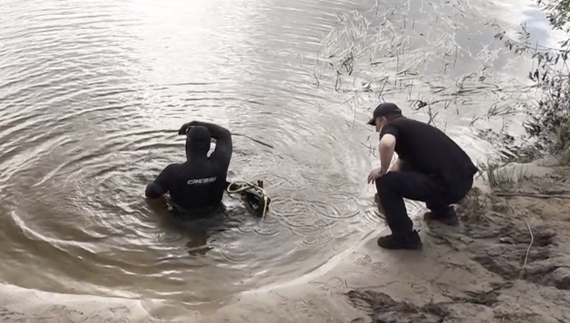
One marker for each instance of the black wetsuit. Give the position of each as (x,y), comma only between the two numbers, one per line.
(437,171)
(200,182)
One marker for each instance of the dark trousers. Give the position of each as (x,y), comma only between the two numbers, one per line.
(393,187)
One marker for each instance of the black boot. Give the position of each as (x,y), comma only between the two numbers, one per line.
(448,217)
(410,241)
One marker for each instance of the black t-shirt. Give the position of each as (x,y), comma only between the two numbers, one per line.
(428,150)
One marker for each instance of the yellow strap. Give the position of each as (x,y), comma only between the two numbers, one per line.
(245,186)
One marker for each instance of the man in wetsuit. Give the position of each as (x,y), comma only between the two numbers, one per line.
(431,168)
(199,183)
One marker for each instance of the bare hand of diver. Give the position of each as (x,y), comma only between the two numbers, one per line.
(374,175)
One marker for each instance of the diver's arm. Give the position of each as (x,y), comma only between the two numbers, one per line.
(224,145)
(160,185)
(154,190)
(217,132)
(223,152)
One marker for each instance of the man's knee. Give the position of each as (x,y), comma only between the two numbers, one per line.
(384,183)
(460,190)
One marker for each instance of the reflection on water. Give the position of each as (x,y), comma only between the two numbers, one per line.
(92,95)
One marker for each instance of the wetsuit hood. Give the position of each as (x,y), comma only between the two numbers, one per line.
(198,141)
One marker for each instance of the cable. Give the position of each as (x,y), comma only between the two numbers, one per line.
(244,186)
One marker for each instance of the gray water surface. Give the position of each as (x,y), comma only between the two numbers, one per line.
(92,94)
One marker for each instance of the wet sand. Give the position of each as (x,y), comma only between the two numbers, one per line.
(506,262)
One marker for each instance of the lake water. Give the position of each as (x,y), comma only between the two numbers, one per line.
(92,94)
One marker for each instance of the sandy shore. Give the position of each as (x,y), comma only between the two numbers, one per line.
(506,262)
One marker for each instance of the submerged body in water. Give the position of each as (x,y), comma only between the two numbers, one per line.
(194,189)
(200,182)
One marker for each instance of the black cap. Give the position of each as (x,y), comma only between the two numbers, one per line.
(383,110)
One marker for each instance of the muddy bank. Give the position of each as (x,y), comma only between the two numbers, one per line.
(506,262)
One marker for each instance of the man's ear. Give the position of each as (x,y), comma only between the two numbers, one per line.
(378,124)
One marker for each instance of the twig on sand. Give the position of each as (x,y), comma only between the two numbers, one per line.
(536,195)
(529,245)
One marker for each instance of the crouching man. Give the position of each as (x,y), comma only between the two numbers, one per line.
(431,168)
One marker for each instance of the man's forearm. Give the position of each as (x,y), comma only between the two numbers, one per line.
(386,148)
(385,158)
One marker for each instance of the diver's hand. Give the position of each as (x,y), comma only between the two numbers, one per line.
(185,127)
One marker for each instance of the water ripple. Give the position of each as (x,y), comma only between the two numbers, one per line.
(235,253)
(91,97)
(299,215)
(318,240)
(267,228)
(371,217)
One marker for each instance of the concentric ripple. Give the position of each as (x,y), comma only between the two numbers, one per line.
(318,240)
(300,215)
(267,228)
(236,253)
(91,99)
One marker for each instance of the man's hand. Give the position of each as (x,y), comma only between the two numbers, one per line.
(185,127)
(374,175)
